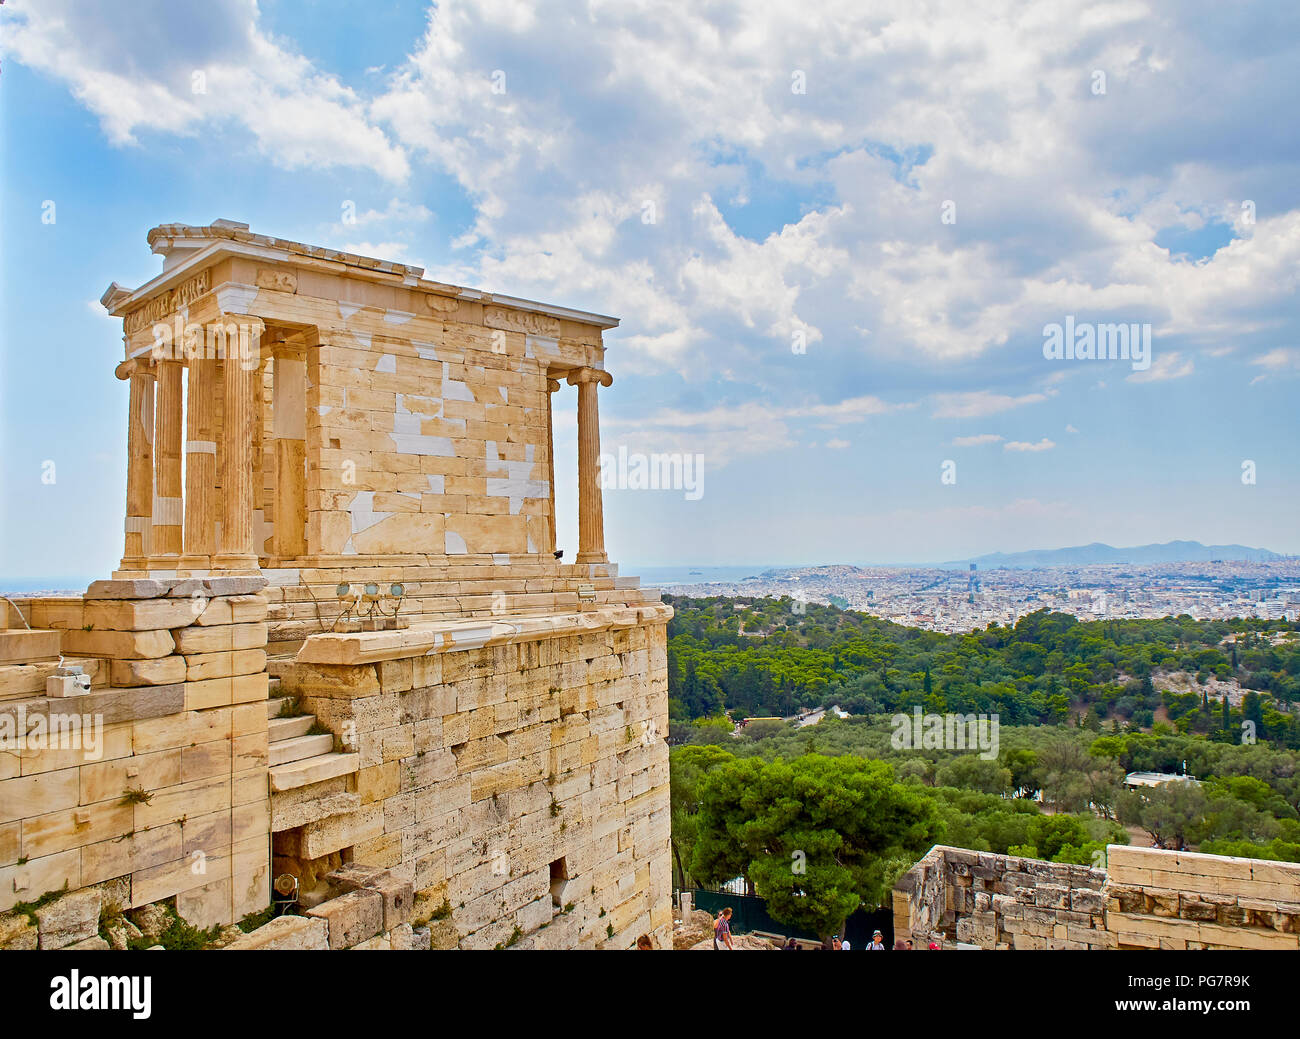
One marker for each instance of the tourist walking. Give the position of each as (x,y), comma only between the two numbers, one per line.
(722,930)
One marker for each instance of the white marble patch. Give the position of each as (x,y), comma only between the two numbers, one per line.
(364,516)
(517,484)
(410,441)
(544,346)
(453,389)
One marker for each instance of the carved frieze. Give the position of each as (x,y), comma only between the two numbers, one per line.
(521,321)
(162,305)
(278,280)
(442,304)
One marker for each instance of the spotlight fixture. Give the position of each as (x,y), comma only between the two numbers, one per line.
(397,590)
(343,590)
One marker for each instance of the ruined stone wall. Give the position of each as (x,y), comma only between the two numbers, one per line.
(164,791)
(1002,901)
(1145,899)
(520,788)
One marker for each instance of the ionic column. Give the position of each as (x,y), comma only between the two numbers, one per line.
(591,515)
(289,441)
(239,413)
(167,504)
(139,462)
(201,463)
(552,385)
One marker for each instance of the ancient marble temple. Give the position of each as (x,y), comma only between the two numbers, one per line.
(343,651)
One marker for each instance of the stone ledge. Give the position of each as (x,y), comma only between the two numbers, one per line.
(131,703)
(176,587)
(368,647)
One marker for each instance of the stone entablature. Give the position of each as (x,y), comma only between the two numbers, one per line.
(1145,899)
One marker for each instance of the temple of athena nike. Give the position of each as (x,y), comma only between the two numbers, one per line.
(343,662)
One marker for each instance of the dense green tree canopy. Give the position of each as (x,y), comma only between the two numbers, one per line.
(816,836)
(756,657)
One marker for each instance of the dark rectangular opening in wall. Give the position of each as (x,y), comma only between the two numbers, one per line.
(559,877)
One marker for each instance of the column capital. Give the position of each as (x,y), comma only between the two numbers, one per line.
(552,385)
(134,366)
(292,349)
(255,325)
(580,375)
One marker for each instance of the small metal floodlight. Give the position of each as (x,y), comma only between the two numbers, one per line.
(397,590)
(343,590)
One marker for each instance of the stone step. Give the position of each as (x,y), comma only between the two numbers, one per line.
(280,729)
(294,774)
(298,748)
(274,705)
(273,685)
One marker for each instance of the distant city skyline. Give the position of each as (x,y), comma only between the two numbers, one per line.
(847,246)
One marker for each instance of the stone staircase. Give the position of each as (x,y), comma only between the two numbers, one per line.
(296,756)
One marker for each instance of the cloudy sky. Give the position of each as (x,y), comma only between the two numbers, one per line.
(834,233)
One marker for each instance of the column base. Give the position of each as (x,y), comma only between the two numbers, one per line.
(195,562)
(591,557)
(242,564)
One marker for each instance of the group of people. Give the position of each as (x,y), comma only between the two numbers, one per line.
(722,939)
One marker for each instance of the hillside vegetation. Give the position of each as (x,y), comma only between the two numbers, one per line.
(822,819)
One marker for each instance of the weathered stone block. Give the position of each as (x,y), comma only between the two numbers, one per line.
(92,944)
(287,932)
(1083,900)
(17,932)
(69,919)
(1052,896)
(352,918)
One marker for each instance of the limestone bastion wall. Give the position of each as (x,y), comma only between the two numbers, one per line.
(1144,899)
(497,782)
(153,784)
(520,787)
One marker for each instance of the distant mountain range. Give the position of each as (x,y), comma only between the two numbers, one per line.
(1097,553)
